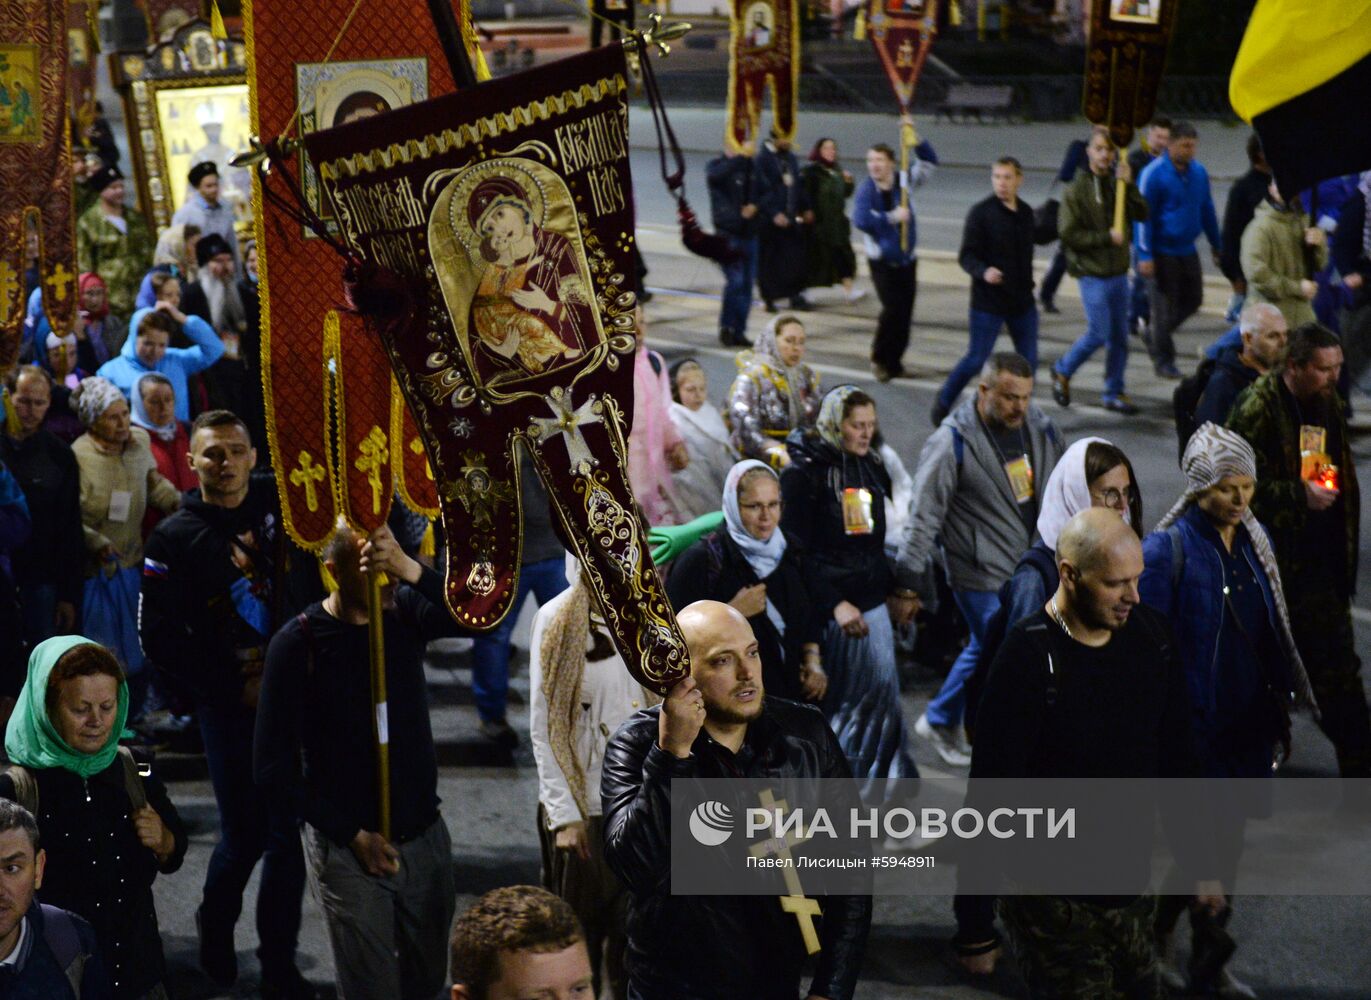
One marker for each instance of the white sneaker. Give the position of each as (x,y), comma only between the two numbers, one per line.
(1233,988)
(945,741)
(1167,970)
(856,295)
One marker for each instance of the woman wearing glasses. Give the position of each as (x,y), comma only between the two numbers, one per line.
(1091,473)
(753,565)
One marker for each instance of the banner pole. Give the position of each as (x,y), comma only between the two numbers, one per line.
(379,718)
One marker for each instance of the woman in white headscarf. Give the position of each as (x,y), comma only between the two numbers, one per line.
(774,393)
(699,484)
(1091,473)
(1210,569)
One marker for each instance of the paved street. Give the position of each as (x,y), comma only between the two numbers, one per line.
(1296,948)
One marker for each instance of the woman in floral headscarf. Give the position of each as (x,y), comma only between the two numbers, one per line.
(834,494)
(119,479)
(774,394)
(1210,569)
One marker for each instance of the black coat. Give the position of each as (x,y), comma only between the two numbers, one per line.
(730,188)
(840,567)
(1247,192)
(714,569)
(98,870)
(720,947)
(1229,378)
(55,553)
(996,237)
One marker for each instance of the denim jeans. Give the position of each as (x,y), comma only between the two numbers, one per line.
(738,279)
(249,828)
(1106,325)
(949,704)
(985,330)
(490,655)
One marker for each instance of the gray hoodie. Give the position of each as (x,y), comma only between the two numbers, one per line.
(966,507)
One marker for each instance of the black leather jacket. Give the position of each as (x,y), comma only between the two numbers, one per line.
(720,947)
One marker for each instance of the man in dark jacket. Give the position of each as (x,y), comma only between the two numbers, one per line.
(1247,192)
(717,723)
(213,592)
(1097,254)
(1308,500)
(1352,256)
(1264,333)
(733,208)
(388,896)
(47,568)
(45,953)
(784,212)
(997,251)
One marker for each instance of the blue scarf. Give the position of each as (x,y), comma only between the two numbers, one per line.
(762,556)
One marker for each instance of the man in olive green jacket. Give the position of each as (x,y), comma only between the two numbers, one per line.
(1281,252)
(1097,256)
(114,242)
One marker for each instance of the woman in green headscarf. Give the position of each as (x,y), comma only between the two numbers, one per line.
(107,830)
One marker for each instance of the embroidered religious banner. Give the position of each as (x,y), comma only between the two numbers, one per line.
(83,44)
(36,206)
(414,481)
(902,32)
(311,67)
(496,227)
(1124,57)
(763,55)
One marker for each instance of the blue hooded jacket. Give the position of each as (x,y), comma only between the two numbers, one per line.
(178,364)
(870,216)
(1182,207)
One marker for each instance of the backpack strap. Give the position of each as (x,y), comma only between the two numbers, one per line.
(64,941)
(25,787)
(133,779)
(958,446)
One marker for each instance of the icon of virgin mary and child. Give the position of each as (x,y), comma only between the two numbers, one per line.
(530,311)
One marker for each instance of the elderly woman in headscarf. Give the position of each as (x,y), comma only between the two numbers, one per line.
(108,830)
(580,692)
(1210,569)
(706,439)
(834,492)
(774,394)
(119,480)
(750,564)
(1091,473)
(175,254)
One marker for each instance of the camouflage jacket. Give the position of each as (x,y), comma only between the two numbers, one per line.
(121,259)
(1261,414)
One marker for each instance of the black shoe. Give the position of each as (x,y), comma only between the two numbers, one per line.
(291,986)
(1050,307)
(1121,404)
(1061,388)
(801,304)
(880,372)
(499,732)
(732,338)
(771,306)
(218,960)
(938,414)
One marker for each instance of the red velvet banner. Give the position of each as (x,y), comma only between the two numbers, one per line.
(763,55)
(902,32)
(36,202)
(1124,59)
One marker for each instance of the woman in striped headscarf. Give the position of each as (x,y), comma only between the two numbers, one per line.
(1210,569)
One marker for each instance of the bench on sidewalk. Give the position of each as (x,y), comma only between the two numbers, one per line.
(979,99)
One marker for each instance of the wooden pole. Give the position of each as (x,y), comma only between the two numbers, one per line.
(379,718)
(908,140)
(1120,193)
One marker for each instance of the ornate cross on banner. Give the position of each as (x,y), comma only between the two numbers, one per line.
(59,281)
(373,453)
(9,284)
(307,474)
(567,422)
(794,901)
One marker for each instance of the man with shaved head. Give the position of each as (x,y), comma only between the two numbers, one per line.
(719,723)
(1089,688)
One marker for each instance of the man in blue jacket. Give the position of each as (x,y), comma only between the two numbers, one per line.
(147,351)
(878,213)
(1176,187)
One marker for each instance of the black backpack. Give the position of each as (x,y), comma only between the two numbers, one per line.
(1186,400)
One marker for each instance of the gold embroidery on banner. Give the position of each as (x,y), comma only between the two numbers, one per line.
(479,493)
(306,474)
(372,453)
(481,579)
(417,447)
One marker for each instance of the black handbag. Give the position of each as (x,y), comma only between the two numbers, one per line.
(1045,221)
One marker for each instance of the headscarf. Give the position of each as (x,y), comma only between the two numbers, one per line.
(94,396)
(90,279)
(171,248)
(1215,453)
(830,422)
(816,155)
(765,556)
(140,418)
(1067,492)
(31,740)
(766,351)
(562,657)
(1364,186)
(53,342)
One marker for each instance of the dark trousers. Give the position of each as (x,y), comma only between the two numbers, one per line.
(985,330)
(739,277)
(1053,279)
(1321,622)
(249,829)
(896,287)
(1177,290)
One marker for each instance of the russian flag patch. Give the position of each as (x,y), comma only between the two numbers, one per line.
(151,567)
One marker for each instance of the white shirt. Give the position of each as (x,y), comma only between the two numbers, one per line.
(13,957)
